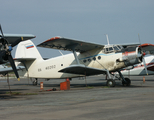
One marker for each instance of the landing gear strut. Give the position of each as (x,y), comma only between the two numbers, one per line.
(110,82)
(125,81)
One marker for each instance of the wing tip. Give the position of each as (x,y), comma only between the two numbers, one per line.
(53,38)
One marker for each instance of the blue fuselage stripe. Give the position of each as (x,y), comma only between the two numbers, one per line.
(99,55)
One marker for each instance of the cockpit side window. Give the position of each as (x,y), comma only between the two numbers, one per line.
(106,50)
(110,49)
(114,48)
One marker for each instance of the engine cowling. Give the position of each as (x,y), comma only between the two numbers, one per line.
(131,56)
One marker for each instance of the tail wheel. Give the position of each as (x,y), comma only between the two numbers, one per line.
(110,83)
(35,82)
(127,82)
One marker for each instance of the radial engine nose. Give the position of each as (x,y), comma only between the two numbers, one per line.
(132,55)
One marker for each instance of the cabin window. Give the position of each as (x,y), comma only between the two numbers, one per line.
(84,61)
(94,58)
(89,60)
(99,57)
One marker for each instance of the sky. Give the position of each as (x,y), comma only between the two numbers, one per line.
(86,20)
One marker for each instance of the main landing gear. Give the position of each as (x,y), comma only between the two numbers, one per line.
(125,81)
(111,81)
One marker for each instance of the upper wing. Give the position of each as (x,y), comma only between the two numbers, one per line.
(82,70)
(129,44)
(11,38)
(69,44)
(147,47)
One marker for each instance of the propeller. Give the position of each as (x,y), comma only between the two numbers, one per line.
(1,31)
(143,59)
(7,51)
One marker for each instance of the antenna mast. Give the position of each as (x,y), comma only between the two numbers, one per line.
(107,39)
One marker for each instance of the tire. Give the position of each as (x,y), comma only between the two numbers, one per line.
(110,83)
(127,82)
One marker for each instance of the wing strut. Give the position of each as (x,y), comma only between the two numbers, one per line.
(76,58)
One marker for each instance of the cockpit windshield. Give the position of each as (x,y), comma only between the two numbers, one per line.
(112,48)
(116,48)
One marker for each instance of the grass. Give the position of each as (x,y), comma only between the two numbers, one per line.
(13,93)
(90,87)
(18,93)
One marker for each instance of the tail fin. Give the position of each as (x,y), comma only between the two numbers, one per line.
(26,54)
(27,49)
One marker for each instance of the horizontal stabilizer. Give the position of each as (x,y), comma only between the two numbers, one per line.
(9,69)
(23,59)
(11,38)
(83,70)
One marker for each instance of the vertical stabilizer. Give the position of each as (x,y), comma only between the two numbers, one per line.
(26,55)
(27,49)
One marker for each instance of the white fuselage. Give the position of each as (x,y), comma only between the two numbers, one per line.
(49,68)
(28,56)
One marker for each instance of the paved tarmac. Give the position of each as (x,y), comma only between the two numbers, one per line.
(95,101)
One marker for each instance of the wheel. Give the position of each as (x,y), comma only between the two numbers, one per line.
(127,82)
(54,89)
(35,82)
(110,83)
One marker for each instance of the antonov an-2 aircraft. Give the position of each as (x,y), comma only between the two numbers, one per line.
(87,59)
(7,42)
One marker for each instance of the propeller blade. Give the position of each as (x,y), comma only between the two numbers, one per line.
(1,31)
(17,41)
(145,65)
(10,59)
(143,54)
